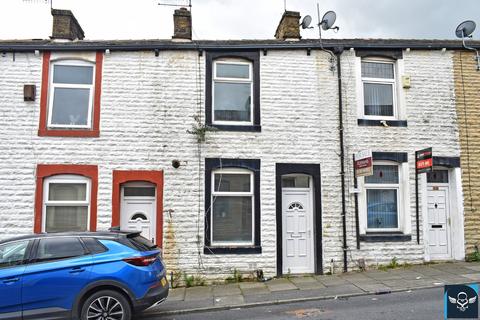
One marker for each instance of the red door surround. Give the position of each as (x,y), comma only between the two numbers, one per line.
(155,177)
(48,170)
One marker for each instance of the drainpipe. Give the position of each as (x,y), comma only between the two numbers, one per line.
(338,53)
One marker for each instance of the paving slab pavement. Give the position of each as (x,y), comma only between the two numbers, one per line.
(226,290)
(198,293)
(281,284)
(332,280)
(229,300)
(316,287)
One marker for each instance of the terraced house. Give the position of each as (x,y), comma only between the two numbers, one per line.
(237,154)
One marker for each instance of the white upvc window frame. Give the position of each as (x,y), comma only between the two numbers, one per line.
(52,86)
(215,79)
(389,186)
(393,82)
(214,193)
(66,179)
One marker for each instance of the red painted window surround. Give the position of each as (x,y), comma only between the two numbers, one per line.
(43,130)
(155,177)
(48,170)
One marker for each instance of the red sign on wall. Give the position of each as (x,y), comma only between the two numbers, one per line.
(424,160)
(363,163)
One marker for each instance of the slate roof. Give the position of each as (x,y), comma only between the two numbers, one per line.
(137,45)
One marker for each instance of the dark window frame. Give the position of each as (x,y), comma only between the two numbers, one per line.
(394,55)
(254,58)
(387,236)
(221,163)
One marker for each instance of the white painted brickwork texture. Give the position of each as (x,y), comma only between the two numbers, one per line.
(431,116)
(148,104)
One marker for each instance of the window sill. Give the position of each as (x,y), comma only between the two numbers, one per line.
(378,123)
(227,127)
(232,250)
(68,133)
(385,237)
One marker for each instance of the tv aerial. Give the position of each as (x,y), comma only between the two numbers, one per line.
(177,3)
(465,30)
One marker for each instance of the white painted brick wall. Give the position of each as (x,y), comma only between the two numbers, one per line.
(430,112)
(148,104)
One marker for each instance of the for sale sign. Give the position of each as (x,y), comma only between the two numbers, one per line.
(424,160)
(363,163)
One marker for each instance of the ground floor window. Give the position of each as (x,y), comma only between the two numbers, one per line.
(232,206)
(66,198)
(384,199)
(382,192)
(66,203)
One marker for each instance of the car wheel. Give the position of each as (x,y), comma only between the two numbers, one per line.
(106,305)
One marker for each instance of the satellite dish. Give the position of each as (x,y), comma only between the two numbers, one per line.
(328,20)
(465,29)
(306,22)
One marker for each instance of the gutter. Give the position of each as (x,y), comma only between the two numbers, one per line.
(338,53)
(198,45)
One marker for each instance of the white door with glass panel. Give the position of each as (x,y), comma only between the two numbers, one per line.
(438,215)
(297,225)
(138,209)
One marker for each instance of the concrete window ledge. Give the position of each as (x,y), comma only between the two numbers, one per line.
(378,123)
(249,128)
(385,237)
(232,250)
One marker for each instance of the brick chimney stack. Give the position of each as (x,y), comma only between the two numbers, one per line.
(182,24)
(66,26)
(289,26)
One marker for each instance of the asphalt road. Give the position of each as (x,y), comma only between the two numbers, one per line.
(420,304)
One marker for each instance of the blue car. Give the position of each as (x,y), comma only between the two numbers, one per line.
(88,275)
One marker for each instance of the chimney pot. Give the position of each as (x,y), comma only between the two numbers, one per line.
(182,24)
(66,26)
(289,26)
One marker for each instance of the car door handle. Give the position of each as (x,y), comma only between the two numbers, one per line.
(10,280)
(77,270)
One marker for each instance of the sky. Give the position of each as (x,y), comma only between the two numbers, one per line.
(241,19)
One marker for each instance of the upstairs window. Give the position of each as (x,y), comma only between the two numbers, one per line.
(71,95)
(232,92)
(379,89)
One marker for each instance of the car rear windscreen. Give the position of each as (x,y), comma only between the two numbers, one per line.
(141,243)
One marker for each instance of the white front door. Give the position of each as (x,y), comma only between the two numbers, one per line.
(438,222)
(297,226)
(138,209)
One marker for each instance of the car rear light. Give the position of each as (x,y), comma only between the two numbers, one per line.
(141,261)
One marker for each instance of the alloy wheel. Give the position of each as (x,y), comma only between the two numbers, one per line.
(105,308)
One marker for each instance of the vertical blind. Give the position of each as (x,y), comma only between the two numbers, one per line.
(378,96)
